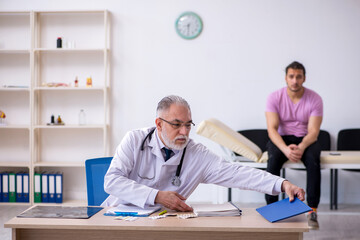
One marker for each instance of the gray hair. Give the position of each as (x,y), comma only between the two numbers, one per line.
(167,101)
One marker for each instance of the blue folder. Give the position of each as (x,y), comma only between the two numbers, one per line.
(1,193)
(283,209)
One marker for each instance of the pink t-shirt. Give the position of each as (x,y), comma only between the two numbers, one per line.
(294,118)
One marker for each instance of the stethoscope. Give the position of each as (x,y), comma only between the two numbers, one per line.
(176,179)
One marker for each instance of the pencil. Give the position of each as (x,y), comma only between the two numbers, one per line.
(163,212)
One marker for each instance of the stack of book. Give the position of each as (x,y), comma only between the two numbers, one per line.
(216,210)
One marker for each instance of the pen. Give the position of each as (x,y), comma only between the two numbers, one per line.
(163,212)
(126,213)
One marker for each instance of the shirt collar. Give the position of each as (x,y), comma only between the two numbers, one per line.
(161,144)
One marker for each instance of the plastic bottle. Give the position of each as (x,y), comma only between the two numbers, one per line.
(59,42)
(82,117)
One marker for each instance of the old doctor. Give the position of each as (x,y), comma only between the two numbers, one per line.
(161,165)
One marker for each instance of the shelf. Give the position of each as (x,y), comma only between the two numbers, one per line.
(14,164)
(67,126)
(59,164)
(15,51)
(15,203)
(14,89)
(65,203)
(9,126)
(73,11)
(69,89)
(69,50)
(29,58)
(15,12)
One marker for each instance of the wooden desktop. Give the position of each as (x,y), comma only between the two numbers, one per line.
(250,225)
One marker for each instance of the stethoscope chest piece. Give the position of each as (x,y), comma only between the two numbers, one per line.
(176,181)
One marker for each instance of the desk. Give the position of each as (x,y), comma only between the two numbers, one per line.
(250,225)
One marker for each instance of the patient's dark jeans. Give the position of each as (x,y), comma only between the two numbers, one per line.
(311,160)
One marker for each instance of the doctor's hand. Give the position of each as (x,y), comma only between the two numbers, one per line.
(292,191)
(172,200)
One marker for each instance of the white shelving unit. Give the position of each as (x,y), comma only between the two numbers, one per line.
(35,62)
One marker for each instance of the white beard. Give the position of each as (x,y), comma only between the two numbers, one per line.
(172,144)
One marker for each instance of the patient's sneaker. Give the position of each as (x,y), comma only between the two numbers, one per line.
(312,220)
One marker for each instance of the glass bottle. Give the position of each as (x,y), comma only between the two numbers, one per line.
(76,82)
(82,117)
(59,121)
(59,42)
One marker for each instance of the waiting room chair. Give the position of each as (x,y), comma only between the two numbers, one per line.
(347,140)
(96,169)
(259,136)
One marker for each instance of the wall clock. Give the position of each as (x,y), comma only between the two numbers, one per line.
(188,25)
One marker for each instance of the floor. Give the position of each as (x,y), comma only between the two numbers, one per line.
(334,224)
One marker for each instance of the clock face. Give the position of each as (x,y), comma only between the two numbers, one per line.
(188,25)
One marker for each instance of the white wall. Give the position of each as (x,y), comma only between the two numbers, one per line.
(229,70)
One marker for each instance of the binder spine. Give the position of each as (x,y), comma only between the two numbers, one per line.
(5,188)
(26,187)
(12,187)
(45,188)
(37,188)
(1,192)
(59,187)
(51,183)
(19,187)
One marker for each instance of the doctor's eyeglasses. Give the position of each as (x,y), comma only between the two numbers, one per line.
(178,125)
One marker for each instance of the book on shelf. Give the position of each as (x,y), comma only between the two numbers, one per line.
(216,210)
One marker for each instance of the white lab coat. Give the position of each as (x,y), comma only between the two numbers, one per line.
(135,176)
